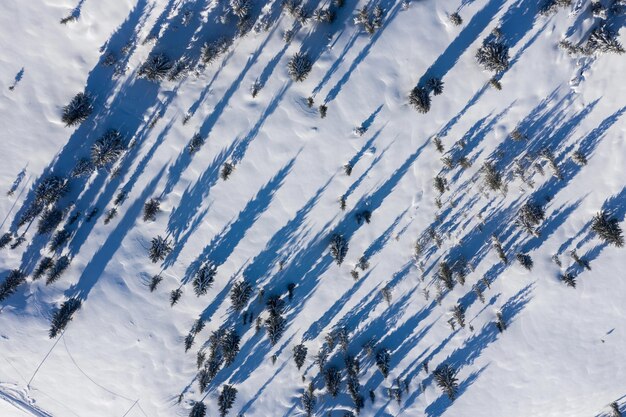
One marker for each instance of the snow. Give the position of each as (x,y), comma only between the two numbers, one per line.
(123,353)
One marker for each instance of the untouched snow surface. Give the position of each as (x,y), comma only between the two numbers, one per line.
(564,350)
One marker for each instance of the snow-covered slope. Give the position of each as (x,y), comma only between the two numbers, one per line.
(270,223)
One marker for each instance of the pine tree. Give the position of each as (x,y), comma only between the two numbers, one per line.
(321,358)
(179,70)
(227,169)
(299,354)
(445,378)
(338,248)
(189,339)
(50,190)
(603,39)
(211,51)
(275,326)
(440,184)
(299,66)
(529,217)
(615,410)
(195,143)
(11,282)
(204,278)
(525,260)
(568,279)
(435,85)
(419,99)
(382,361)
(607,229)
(492,178)
(226,399)
(5,239)
(198,409)
(332,379)
(154,282)
(459,314)
(59,239)
(160,247)
(77,111)
(455,19)
(44,265)
(55,272)
(240,294)
(110,214)
(49,221)
(493,56)
(445,275)
(551,6)
(308,400)
(323,109)
(63,315)
(175,296)
(229,344)
(500,323)
(107,149)
(151,209)
(83,168)
(156,67)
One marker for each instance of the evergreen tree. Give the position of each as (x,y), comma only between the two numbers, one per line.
(332,379)
(83,168)
(63,315)
(189,339)
(10,284)
(160,247)
(525,260)
(55,272)
(227,169)
(179,70)
(603,39)
(195,143)
(419,99)
(49,221)
(299,66)
(459,314)
(568,279)
(226,399)
(211,51)
(382,361)
(50,189)
(175,296)
(529,217)
(229,345)
(151,209)
(492,178)
(615,410)
(607,229)
(275,326)
(299,354)
(308,400)
(59,239)
(455,19)
(107,149)
(154,282)
(198,410)
(338,248)
(44,265)
(240,294)
(204,278)
(5,239)
(435,85)
(156,67)
(77,111)
(445,275)
(445,378)
(493,56)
